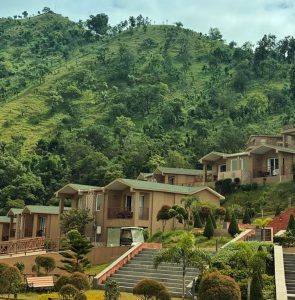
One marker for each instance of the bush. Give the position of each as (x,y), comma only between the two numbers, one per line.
(256,288)
(213,220)
(197,220)
(233,228)
(204,212)
(246,218)
(291,224)
(78,280)
(81,296)
(209,229)
(285,241)
(215,286)
(68,291)
(20,265)
(227,216)
(148,288)
(163,295)
(45,262)
(111,290)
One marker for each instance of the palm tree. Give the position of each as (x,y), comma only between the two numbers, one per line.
(261,223)
(188,203)
(185,254)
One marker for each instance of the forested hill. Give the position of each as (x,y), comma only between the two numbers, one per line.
(85,102)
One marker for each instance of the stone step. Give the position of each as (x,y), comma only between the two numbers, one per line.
(156,273)
(151,267)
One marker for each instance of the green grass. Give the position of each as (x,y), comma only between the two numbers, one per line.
(96,269)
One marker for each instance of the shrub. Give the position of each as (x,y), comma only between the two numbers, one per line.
(163,295)
(197,220)
(209,229)
(78,280)
(215,286)
(45,262)
(111,290)
(148,288)
(227,216)
(60,282)
(204,212)
(20,265)
(246,218)
(68,291)
(291,224)
(233,228)
(285,241)
(81,296)
(256,288)
(163,215)
(213,220)
(220,212)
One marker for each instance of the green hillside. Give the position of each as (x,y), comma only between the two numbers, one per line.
(78,106)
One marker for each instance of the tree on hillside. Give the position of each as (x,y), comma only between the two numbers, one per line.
(179,213)
(98,24)
(188,203)
(215,34)
(227,216)
(197,220)
(163,215)
(75,219)
(209,229)
(246,217)
(25,14)
(233,228)
(185,254)
(75,259)
(291,224)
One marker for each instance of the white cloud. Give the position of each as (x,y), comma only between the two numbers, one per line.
(238,20)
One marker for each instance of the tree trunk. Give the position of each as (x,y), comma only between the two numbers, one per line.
(249,289)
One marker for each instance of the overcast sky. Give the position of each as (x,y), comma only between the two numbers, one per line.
(238,20)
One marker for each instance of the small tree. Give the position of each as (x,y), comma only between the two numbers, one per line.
(20,265)
(291,224)
(197,220)
(227,216)
(148,289)
(261,223)
(179,213)
(256,288)
(212,220)
(204,212)
(79,246)
(163,215)
(215,286)
(111,290)
(10,279)
(278,210)
(246,218)
(68,292)
(75,219)
(233,228)
(220,212)
(209,229)
(45,262)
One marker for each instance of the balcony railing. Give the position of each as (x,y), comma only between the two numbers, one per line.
(143,213)
(119,213)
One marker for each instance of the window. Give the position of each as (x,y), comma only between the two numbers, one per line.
(141,206)
(171,179)
(234,164)
(273,166)
(222,168)
(129,203)
(244,164)
(98,202)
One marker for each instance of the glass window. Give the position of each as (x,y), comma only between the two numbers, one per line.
(129,203)
(244,164)
(234,164)
(222,168)
(98,202)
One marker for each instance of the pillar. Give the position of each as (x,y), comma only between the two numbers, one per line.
(205,168)
(35,224)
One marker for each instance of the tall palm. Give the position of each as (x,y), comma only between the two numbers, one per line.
(188,203)
(185,254)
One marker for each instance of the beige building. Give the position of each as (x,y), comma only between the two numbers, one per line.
(34,221)
(177,176)
(128,202)
(267,159)
(7,228)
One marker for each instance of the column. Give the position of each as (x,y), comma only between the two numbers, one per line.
(35,224)
(281,167)
(205,167)
(10,227)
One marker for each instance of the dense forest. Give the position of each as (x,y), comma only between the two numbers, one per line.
(87,102)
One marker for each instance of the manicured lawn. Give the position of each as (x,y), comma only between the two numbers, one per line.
(96,269)
(91,295)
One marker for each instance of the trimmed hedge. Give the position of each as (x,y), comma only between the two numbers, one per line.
(285,241)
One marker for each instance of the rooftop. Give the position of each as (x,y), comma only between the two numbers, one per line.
(179,171)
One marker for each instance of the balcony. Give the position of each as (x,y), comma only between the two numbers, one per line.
(119,213)
(143,213)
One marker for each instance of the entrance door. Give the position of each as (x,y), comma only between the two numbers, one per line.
(129,203)
(273,166)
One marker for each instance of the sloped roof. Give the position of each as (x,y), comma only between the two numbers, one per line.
(119,184)
(72,188)
(281,221)
(266,147)
(41,209)
(143,175)
(15,211)
(213,156)
(179,171)
(4,219)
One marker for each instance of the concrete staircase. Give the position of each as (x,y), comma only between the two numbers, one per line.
(289,266)
(141,266)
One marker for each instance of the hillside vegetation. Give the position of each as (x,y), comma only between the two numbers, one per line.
(88,103)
